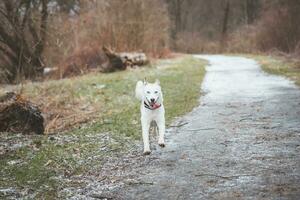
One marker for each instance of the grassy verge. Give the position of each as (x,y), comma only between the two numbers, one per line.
(280,66)
(35,167)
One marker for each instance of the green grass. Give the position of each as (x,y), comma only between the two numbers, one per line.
(80,150)
(280,66)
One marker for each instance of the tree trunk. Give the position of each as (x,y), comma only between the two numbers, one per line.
(175,12)
(251,9)
(225,26)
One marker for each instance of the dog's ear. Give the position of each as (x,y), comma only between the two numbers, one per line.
(145,81)
(157,82)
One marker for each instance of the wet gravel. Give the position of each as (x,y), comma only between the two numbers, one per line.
(242,142)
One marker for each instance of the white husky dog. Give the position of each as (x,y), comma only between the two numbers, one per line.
(152,109)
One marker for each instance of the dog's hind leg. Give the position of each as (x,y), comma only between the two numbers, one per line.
(146,127)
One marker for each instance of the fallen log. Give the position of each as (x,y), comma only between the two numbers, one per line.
(115,63)
(134,59)
(19,115)
(121,61)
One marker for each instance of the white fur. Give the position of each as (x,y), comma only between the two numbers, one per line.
(145,92)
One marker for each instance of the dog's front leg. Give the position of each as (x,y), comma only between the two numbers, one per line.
(161,130)
(146,127)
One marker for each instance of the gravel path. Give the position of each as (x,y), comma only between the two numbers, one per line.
(242,142)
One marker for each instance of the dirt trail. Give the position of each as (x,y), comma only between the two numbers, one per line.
(242,142)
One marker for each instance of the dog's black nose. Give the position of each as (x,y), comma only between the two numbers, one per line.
(152,100)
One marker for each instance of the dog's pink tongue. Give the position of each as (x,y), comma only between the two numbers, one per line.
(155,105)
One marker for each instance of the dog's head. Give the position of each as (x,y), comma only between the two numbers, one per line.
(153,93)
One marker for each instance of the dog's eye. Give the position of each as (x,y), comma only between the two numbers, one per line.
(156,92)
(148,92)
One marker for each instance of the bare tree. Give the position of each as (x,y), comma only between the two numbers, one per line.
(23,26)
(175,9)
(225,25)
(251,10)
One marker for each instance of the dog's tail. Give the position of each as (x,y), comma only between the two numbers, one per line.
(139,90)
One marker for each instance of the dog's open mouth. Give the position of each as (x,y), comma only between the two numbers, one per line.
(154,105)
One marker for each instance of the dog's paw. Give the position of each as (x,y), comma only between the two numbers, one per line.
(147,153)
(162,145)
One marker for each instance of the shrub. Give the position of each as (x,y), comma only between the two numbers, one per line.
(279,27)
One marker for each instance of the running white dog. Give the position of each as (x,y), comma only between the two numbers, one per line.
(152,109)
